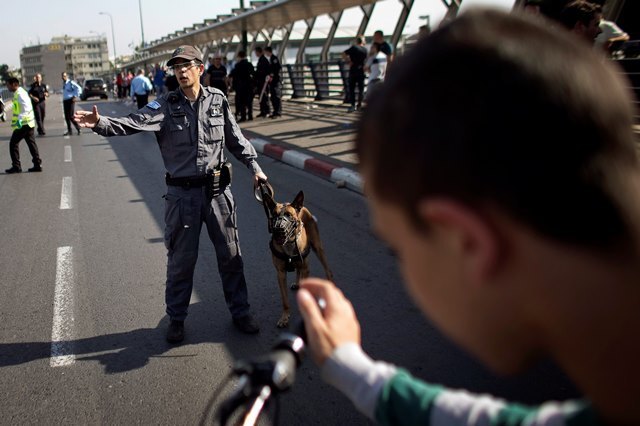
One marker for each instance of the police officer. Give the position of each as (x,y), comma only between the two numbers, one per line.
(39,94)
(242,77)
(192,125)
(275,85)
(262,74)
(23,122)
(71,91)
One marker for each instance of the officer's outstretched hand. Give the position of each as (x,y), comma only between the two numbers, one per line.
(87,119)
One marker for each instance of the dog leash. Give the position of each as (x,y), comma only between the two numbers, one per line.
(264,189)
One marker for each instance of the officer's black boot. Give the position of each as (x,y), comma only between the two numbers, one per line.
(175,332)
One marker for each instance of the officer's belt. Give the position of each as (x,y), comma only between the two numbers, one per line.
(192,181)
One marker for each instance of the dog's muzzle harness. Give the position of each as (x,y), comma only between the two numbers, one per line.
(285,230)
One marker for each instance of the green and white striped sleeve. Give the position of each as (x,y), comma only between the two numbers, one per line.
(391,396)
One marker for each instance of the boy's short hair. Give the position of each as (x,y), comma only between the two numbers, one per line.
(12,80)
(494,110)
(579,11)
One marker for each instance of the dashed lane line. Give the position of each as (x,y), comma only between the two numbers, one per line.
(62,329)
(66,194)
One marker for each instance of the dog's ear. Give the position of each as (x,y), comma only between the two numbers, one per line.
(298,202)
(269,201)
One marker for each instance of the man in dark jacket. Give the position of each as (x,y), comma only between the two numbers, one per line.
(242,78)
(275,85)
(262,73)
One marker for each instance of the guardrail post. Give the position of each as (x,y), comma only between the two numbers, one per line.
(319,80)
(296,74)
(344,74)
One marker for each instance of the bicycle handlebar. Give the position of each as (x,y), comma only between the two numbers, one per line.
(264,376)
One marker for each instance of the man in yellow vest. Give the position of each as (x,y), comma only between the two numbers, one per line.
(23,122)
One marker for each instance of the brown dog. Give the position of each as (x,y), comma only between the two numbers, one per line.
(294,233)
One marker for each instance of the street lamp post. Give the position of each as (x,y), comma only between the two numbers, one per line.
(113,38)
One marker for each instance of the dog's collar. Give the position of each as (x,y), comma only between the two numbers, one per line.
(289,259)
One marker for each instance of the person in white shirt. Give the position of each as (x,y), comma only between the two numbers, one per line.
(376,65)
(611,37)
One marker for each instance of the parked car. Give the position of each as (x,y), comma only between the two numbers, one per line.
(94,87)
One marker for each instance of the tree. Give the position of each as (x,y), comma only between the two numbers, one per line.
(4,73)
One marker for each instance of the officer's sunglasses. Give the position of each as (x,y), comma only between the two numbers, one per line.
(184,66)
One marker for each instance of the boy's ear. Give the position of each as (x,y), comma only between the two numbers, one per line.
(469,233)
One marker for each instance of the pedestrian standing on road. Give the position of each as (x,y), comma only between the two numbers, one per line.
(23,122)
(242,82)
(217,74)
(192,126)
(70,93)
(518,236)
(355,57)
(140,88)
(275,84)
(262,75)
(39,94)
(119,85)
(158,79)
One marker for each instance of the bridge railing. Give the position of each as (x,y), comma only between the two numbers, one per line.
(317,80)
(631,68)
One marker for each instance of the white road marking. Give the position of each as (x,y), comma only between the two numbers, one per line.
(66,137)
(62,329)
(67,153)
(65,196)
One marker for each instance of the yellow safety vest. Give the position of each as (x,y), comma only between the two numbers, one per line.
(29,119)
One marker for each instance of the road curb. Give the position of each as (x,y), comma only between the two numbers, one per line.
(341,176)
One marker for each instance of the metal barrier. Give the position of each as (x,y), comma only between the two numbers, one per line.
(631,68)
(5,94)
(318,80)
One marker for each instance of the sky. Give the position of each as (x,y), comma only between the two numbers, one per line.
(48,18)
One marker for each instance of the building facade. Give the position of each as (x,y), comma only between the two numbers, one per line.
(46,59)
(81,57)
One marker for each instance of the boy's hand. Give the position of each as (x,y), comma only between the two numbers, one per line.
(87,119)
(328,329)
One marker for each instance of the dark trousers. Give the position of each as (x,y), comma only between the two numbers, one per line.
(264,102)
(69,106)
(26,133)
(142,100)
(356,78)
(186,210)
(275,91)
(39,111)
(244,102)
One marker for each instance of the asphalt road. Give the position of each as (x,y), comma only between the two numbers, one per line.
(83,266)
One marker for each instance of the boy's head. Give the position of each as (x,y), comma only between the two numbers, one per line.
(494,125)
(582,18)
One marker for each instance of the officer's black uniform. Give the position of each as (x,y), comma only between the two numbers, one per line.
(262,71)
(243,84)
(39,91)
(275,86)
(357,56)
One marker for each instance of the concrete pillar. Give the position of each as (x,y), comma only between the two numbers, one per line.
(335,17)
(367,10)
(305,40)
(285,41)
(402,21)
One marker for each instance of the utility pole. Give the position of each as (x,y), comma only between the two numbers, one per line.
(141,26)
(244,33)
